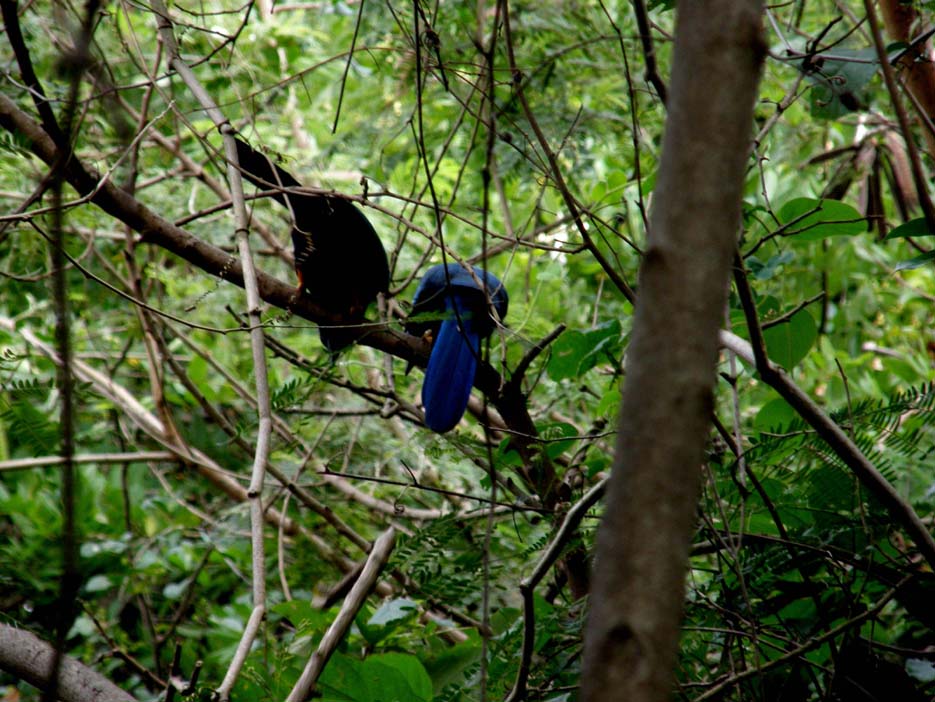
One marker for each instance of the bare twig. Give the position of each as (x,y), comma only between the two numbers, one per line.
(264,428)
(813,643)
(928,209)
(355,599)
(61,132)
(145,420)
(158,231)
(99,458)
(520,371)
(649,52)
(528,585)
(555,170)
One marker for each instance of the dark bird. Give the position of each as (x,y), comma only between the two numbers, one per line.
(339,259)
(456,310)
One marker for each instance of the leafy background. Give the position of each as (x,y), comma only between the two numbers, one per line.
(794,565)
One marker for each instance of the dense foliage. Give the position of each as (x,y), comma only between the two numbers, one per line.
(800,588)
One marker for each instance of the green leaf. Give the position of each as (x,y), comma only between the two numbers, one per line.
(449,665)
(912,228)
(304,616)
(775,415)
(97,583)
(387,619)
(916,262)
(507,455)
(838,87)
(817,219)
(765,271)
(554,438)
(609,402)
(393,611)
(577,352)
(922,670)
(789,342)
(387,677)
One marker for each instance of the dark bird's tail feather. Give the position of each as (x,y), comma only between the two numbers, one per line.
(263,173)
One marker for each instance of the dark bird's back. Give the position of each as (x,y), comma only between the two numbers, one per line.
(339,259)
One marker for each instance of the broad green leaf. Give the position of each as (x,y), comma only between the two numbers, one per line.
(387,677)
(576,352)
(912,228)
(775,415)
(789,342)
(816,219)
(450,664)
(838,86)
(555,438)
(386,619)
(507,455)
(393,611)
(765,270)
(305,617)
(98,583)
(922,670)
(609,402)
(916,262)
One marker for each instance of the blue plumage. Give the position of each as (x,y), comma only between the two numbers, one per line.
(451,293)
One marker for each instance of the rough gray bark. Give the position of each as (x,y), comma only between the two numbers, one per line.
(642,546)
(28,658)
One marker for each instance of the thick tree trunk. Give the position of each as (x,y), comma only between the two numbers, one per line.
(642,546)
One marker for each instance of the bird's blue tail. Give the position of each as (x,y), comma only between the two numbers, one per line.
(450,372)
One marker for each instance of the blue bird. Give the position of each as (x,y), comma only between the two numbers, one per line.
(450,294)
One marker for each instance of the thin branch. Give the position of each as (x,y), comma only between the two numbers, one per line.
(70,579)
(98,458)
(774,376)
(257,346)
(528,585)
(554,169)
(155,230)
(347,67)
(145,420)
(786,316)
(810,645)
(379,554)
(533,353)
(649,52)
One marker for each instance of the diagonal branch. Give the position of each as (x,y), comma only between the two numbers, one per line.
(379,554)
(27,657)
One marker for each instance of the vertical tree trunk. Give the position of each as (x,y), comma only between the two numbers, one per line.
(642,546)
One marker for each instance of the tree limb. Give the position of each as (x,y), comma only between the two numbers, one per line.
(379,554)
(27,657)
